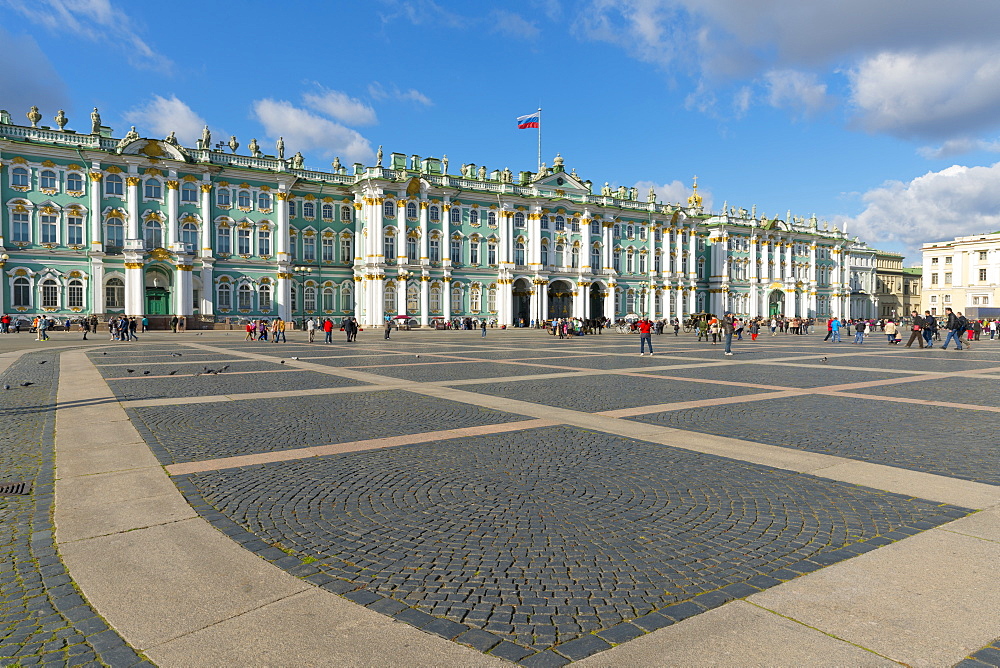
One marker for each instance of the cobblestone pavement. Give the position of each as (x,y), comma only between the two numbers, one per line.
(933,439)
(988,656)
(540,546)
(544,537)
(209,431)
(43,618)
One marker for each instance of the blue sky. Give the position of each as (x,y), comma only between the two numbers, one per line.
(879,116)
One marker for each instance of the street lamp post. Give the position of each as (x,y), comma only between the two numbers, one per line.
(302,271)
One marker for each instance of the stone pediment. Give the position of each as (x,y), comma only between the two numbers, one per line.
(561,181)
(155,148)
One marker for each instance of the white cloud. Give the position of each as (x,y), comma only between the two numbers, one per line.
(306,132)
(799,91)
(936,206)
(674,192)
(513,25)
(928,94)
(421,12)
(165,115)
(341,106)
(28,78)
(379,92)
(958,146)
(96,20)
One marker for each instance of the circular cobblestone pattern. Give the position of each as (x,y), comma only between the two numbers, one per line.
(545,535)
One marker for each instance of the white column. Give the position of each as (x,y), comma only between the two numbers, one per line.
(609,302)
(135,289)
(446,297)
(208,290)
(677,291)
(425,301)
(543,299)
(96,238)
(534,241)
(172,235)
(578,293)
(693,255)
(282,247)
(609,243)
(207,223)
(183,294)
(788,259)
(97,285)
(132,199)
(424,234)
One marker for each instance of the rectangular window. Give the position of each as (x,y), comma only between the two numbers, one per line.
(982,274)
(327,249)
(264,242)
(934,260)
(474,253)
(934,279)
(492,253)
(947,299)
(309,250)
(224,241)
(982,256)
(346,251)
(49,227)
(21,228)
(947,278)
(74,231)
(947,260)
(75,295)
(456,251)
(456,301)
(435,250)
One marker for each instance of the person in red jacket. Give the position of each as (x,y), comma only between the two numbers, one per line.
(645,327)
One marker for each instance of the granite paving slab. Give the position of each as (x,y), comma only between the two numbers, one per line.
(225,383)
(444,370)
(607,392)
(185,368)
(915,359)
(947,441)
(960,390)
(771,374)
(554,540)
(192,432)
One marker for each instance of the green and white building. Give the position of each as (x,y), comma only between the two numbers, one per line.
(94,224)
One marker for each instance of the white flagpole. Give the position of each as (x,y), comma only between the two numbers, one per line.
(539,139)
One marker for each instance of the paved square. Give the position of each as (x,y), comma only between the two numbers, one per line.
(543,536)
(773,374)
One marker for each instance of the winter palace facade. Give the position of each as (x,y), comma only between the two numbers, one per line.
(92,224)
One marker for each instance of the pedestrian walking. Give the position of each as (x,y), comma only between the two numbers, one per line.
(388,328)
(890,332)
(645,326)
(482,327)
(728,327)
(930,329)
(955,326)
(916,330)
(859,332)
(311,329)
(327,330)
(835,330)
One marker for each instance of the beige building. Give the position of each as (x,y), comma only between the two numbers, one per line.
(963,274)
(897,288)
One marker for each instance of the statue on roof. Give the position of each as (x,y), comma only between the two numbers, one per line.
(542,172)
(206,139)
(129,137)
(482,172)
(233,144)
(336,165)
(444,164)
(61,120)
(574,174)
(95,122)
(651,195)
(254,148)
(606,189)
(297,160)
(171,139)
(633,194)
(622,192)
(378,156)
(281,148)
(34,116)
(506,175)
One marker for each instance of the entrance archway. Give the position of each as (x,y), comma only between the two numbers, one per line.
(522,302)
(776,303)
(597,294)
(560,296)
(157,284)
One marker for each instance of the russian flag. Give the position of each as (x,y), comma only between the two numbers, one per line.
(529,121)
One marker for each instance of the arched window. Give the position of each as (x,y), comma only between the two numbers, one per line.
(347,298)
(114,293)
(222,197)
(491,218)
(389,209)
(575,257)
(657,262)
(20,177)
(412,298)
(74,293)
(345,214)
(595,227)
(154,234)
(309,298)
(154,189)
(264,243)
(412,254)
(642,263)
(225,296)
(560,223)
(630,301)
(346,250)
(114,185)
(491,300)
(22,291)
(411,210)
(456,215)
(47,180)
(519,252)
(264,297)
(115,233)
(545,252)
(574,225)
(329,299)
(327,211)
(474,217)
(243,199)
(701,268)
(434,214)
(74,182)
(188,192)
(264,201)
(519,220)
(435,299)
(475,299)
(545,222)
(50,293)
(595,258)
(244,297)
(189,235)
(389,300)
(560,255)
(308,210)
(456,300)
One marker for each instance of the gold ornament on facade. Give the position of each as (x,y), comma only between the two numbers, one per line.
(173,185)
(132,181)
(161,254)
(134,265)
(18,160)
(152,171)
(185,267)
